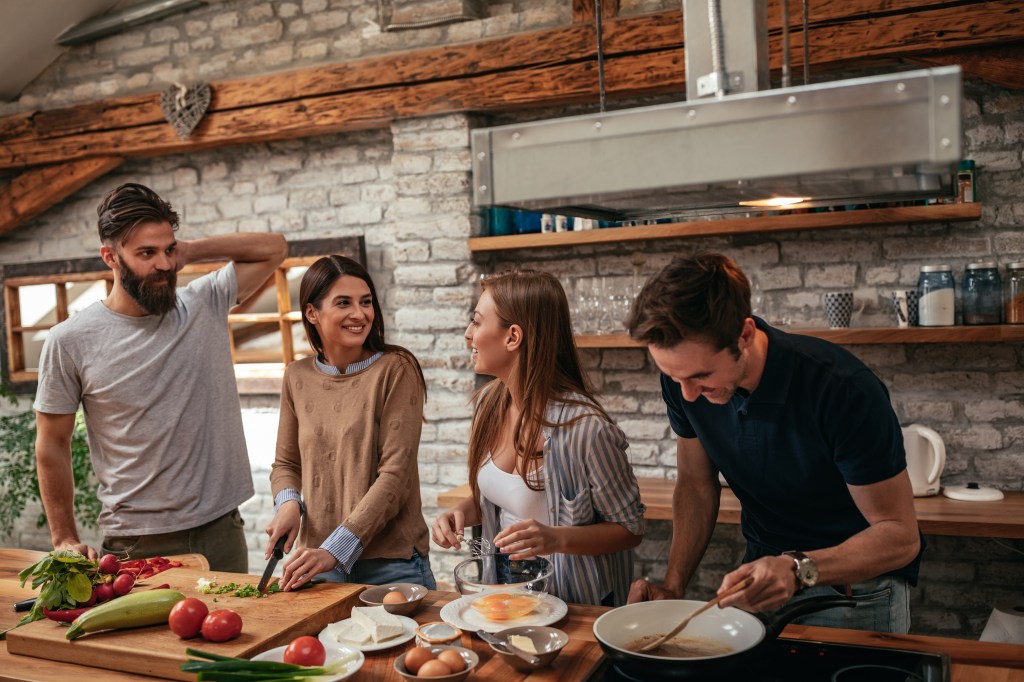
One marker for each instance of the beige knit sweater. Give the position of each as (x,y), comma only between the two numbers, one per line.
(349,444)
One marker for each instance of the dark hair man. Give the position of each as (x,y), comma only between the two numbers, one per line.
(151,366)
(804,434)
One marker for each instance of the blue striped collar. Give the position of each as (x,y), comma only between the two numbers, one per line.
(354,367)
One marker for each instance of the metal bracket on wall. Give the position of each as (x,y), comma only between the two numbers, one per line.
(404,15)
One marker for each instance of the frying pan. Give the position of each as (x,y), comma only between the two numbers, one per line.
(744,633)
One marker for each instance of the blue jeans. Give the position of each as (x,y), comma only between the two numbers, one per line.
(883,606)
(383,571)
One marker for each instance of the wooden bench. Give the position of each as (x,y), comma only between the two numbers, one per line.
(937,515)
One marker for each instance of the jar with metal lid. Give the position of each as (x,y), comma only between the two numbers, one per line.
(936,296)
(983,294)
(1014,306)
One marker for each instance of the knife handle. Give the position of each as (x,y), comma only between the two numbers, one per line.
(279,547)
(24,604)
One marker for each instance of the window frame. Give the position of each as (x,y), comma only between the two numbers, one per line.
(60,273)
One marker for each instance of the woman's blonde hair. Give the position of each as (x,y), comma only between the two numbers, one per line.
(547,368)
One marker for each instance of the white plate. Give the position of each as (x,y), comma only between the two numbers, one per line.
(463,616)
(334,652)
(409,631)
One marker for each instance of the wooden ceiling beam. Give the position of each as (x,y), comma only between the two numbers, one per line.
(999,65)
(38,189)
(840,32)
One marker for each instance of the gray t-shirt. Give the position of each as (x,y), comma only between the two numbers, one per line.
(161,408)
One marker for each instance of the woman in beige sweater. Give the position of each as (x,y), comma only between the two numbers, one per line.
(345,479)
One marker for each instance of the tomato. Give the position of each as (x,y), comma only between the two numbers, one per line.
(108,564)
(222,625)
(305,650)
(186,617)
(123,584)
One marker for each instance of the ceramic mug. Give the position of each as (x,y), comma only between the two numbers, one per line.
(904,306)
(839,308)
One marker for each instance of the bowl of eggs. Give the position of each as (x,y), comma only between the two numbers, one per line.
(401,599)
(448,663)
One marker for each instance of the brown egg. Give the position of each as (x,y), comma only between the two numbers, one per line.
(416,657)
(434,668)
(395,597)
(453,660)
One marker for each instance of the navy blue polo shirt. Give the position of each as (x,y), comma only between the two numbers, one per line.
(818,420)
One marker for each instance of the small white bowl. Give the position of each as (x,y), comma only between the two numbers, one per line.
(334,652)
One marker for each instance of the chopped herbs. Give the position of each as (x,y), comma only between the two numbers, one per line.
(236,590)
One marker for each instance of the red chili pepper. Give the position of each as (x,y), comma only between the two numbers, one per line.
(65,615)
(165,586)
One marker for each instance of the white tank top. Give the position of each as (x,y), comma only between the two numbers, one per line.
(512,495)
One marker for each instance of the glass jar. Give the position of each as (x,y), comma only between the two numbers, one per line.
(1015,293)
(983,294)
(935,296)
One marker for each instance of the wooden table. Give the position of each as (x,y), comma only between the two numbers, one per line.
(973,661)
(937,515)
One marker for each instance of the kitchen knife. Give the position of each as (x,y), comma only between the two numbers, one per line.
(272,564)
(24,604)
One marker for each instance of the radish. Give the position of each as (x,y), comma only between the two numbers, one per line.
(104,592)
(123,584)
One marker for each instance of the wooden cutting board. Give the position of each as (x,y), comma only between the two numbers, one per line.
(267,622)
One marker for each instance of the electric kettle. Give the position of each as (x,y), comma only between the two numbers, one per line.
(926,458)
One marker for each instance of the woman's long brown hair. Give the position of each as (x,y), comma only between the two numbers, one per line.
(317,283)
(548,368)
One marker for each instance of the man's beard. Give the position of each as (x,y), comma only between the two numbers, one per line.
(150,292)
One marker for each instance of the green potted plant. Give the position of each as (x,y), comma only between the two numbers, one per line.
(19,484)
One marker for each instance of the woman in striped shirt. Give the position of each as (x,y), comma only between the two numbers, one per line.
(547,466)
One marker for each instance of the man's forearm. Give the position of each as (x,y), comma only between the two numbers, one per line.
(242,247)
(57,490)
(694,512)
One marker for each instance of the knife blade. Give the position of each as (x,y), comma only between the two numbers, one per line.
(276,556)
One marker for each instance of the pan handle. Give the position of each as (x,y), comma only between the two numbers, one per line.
(774,623)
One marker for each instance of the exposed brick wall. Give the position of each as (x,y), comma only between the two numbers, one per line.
(405,189)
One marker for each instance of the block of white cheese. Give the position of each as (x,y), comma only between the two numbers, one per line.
(521,642)
(379,623)
(349,632)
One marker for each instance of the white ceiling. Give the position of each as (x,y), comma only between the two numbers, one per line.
(28,29)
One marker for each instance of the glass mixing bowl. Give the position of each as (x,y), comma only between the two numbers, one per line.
(495,571)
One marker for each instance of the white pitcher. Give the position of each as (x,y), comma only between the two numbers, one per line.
(926,458)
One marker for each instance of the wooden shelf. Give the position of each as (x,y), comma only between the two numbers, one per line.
(1005,333)
(937,515)
(936,213)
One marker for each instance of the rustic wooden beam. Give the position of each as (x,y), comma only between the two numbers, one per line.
(999,65)
(938,26)
(584,11)
(627,75)
(36,190)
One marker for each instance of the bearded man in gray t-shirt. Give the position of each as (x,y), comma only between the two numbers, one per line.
(151,366)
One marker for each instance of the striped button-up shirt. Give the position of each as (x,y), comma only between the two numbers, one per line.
(587,480)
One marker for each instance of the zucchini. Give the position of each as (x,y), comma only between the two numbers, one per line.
(130,611)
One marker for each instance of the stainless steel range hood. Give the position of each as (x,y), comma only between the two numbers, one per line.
(890,137)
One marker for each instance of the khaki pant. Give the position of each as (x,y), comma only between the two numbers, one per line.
(221,541)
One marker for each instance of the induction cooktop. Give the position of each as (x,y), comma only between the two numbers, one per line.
(789,660)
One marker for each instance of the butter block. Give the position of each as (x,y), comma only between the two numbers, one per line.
(379,623)
(521,642)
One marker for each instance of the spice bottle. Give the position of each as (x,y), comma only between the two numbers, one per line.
(935,296)
(1015,293)
(965,181)
(983,294)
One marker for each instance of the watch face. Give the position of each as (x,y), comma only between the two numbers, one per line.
(807,573)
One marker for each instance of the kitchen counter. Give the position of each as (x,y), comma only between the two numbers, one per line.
(973,661)
(936,515)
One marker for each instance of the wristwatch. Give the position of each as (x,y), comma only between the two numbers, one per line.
(804,568)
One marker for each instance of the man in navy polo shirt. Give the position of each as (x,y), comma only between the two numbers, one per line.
(805,435)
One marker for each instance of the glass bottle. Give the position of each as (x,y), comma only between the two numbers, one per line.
(935,296)
(1014,293)
(982,294)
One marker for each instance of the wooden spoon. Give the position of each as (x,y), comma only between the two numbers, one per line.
(741,585)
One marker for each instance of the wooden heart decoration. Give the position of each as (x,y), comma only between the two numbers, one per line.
(184,107)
